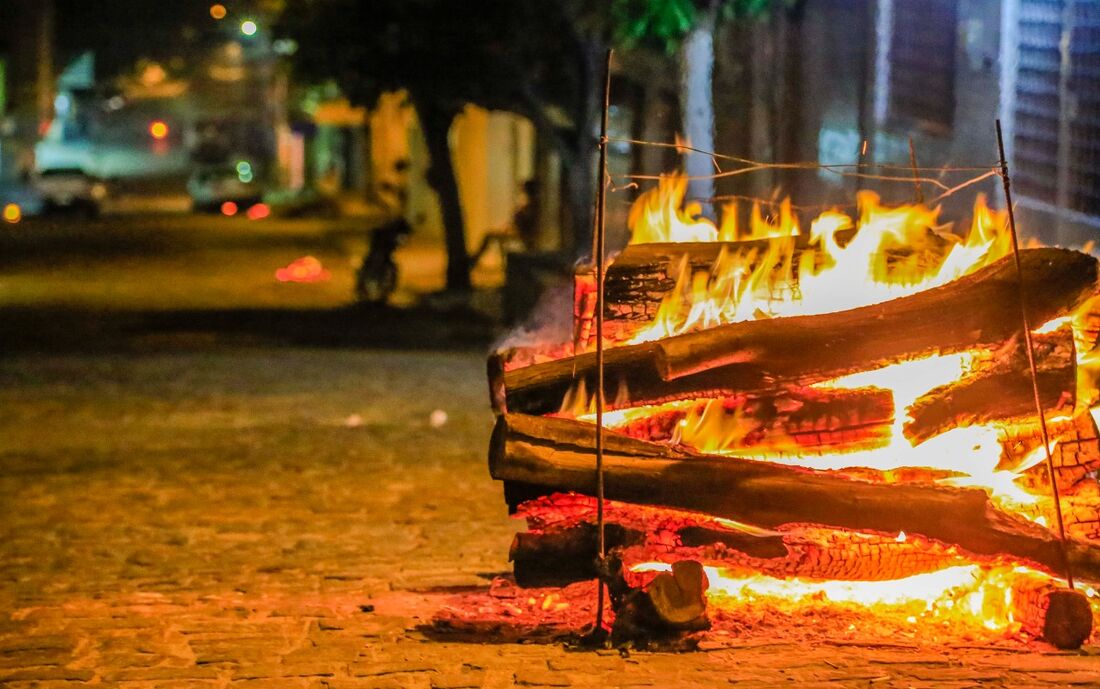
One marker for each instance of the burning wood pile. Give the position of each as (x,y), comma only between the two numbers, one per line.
(843,413)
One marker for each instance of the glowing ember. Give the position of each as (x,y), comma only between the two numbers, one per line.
(964,594)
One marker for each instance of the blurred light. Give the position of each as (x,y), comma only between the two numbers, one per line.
(115,102)
(248,27)
(153,74)
(259,211)
(304,269)
(158,130)
(12,213)
(217,11)
(61,104)
(229,208)
(245,177)
(244,167)
(285,46)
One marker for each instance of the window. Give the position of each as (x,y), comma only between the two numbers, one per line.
(1056,109)
(917,76)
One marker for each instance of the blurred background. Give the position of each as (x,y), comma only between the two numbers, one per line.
(205,147)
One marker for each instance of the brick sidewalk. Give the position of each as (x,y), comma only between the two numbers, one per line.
(292,518)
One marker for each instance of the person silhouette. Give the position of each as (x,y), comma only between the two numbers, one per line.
(522,233)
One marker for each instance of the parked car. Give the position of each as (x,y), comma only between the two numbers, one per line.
(211,186)
(69,189)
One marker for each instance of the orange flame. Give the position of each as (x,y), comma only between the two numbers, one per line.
(888,252)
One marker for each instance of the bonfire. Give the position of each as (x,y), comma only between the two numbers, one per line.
(833,412)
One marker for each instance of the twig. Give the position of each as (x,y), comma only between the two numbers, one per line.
(916,175)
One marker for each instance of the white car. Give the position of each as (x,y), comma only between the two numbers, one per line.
(69,189)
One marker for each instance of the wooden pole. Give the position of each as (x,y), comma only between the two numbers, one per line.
(1007,183)
(916,174)
(600,250)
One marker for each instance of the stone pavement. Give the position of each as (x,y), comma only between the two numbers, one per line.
(292,518)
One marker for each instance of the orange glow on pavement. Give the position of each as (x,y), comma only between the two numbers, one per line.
(304,269)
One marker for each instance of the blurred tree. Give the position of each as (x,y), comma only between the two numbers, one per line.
(538,59)
(122,31)
(688,26)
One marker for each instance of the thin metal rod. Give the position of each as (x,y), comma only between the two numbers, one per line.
(1007,183)
(601,248)
(916,173)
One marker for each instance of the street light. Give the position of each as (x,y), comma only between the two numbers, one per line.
(248,27)
(158,130)
(12,213)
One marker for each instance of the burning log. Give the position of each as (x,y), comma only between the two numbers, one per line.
(1003,392)
(795,419)
(558,455)
(565,554)
(642,275)
(979,309)
(672,604)
(1058,615)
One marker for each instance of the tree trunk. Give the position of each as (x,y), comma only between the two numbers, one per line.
(581,173)
(697,103)
(436,124)
(791,113)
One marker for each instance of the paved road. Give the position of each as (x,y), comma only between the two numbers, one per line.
(210,511)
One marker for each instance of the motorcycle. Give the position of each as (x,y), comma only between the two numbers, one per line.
(376,278)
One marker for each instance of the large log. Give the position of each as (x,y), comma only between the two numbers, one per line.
(642,276)
(568,553)
(559,455)
(791,420)
(980,309)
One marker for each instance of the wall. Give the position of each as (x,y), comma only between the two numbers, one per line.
(844,63)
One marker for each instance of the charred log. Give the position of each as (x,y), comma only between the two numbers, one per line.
(567,553)
(793,420)
(976,310)
(559,455)
(644,275)
(1002,393)
(1057,615)
(671,605)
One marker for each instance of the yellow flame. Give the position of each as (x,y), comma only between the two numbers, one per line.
(964,593)
(656,216)
(894,252)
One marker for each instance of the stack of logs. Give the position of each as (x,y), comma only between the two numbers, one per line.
(764,369)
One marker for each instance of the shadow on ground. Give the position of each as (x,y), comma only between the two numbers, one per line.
(59,329)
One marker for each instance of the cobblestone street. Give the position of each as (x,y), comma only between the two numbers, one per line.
(291,518)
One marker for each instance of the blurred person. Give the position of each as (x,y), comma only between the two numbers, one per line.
(523,232)
(376,278)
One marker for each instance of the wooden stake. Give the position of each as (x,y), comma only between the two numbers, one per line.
(916,174)
(1007,183)
(601,204)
